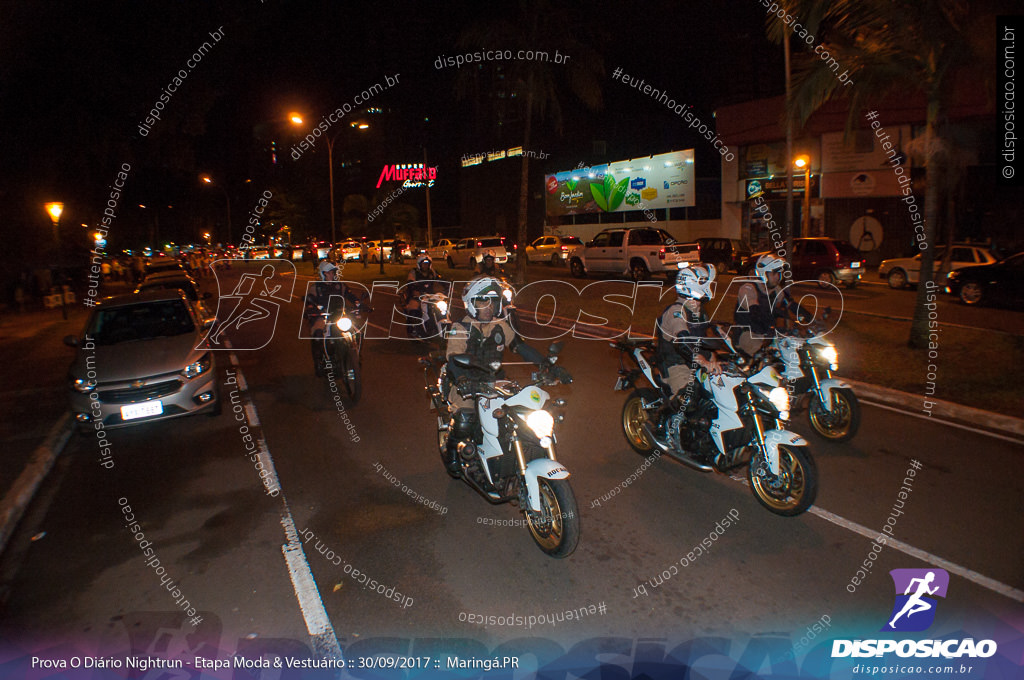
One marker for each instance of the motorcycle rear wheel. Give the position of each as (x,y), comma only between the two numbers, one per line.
(842,423)
(634,416)
(796,486)
(556,528)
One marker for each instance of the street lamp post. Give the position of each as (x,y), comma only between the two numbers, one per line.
(227,199)
(54,209)
(804,162)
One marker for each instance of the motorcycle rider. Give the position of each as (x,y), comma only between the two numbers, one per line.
(421,281)
(319,299)
(683,340)
(485,332)
(487,267)
(763,306)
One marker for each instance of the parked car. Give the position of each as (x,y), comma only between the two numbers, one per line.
(470,251)
(822,259)
(439,251)
(726,254)
(552,249)
(142,358)
(636,252)
(907,270)
(349,250)
(163,264)
(1001,283)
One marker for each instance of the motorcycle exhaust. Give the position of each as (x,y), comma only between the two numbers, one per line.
(672,453)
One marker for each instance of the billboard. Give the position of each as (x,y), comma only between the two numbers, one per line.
(650,183)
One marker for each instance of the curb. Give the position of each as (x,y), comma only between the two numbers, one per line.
(12,507)
(946,409)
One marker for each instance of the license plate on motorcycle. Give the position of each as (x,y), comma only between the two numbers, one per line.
(149,408)
(621,383)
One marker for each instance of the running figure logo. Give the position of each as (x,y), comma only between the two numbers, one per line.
(916,589)
(252,301)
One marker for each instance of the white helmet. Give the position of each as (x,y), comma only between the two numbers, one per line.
(490,289)
(768,263)
(423,257)
(695,282)
(324,267)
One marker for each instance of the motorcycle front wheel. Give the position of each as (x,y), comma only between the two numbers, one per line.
(793,490)
(347,375)
(842,423)
(556,528)
(633,418)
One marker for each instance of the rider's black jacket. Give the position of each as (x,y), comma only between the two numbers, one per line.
(329,295)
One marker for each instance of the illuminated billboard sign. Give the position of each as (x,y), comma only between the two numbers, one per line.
(411,175)
(662,181)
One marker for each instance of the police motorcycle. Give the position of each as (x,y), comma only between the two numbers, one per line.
(737,421)
(427,318)
(338,354)
(806,361)
(504,449)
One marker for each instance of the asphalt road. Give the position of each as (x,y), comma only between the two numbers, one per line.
(74,576)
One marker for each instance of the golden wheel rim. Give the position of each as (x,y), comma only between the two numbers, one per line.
(633,420)
(835,425)
(791,483)
(551,516)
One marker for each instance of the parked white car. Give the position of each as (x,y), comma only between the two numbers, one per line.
(907,270)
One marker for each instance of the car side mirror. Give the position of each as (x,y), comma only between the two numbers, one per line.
(71,341)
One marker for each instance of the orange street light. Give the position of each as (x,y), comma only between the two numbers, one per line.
(804,162)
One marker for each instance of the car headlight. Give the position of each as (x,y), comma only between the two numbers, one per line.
(542,423)
(344,324)
(82,385)
(830,355)
(779,398)
(199,367)
(442,307)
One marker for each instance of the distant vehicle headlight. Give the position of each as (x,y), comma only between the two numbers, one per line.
(442,307)
(199,367)
(542,423)
(344,324)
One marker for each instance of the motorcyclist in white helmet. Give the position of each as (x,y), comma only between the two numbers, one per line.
(485,332)
(325,294)
(764,305)
(683,341)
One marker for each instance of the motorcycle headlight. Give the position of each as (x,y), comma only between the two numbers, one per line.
(442,307)
(830,355)
(199,367)
(542,423)
(344,324)
(82,385)
(779,398)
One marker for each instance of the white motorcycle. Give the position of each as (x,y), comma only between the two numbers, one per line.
(739,422)
(807,364)
(505,448)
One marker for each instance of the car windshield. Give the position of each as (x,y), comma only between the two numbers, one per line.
(846,249)
(489,243)
(143,321)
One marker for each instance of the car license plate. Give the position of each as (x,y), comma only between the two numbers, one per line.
(854,265)
(149,408)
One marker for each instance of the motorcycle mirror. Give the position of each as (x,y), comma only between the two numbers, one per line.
(555,347)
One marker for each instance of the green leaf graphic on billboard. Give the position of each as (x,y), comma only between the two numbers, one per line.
(615,200)
(599,198)
(632,198)
(571,184)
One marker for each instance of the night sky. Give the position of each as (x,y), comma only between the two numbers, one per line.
(77,78)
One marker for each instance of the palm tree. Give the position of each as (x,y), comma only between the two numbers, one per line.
(896,46)
(538,25)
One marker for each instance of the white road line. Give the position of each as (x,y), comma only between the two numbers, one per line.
(318,624)
(941,562)
(947,423)
(964,572)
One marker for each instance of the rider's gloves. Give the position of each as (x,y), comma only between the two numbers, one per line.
(560,374)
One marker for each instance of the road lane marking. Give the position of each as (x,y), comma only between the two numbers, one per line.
(947,423)
(318,624)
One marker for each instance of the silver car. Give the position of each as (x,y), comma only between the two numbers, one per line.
(142,358)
